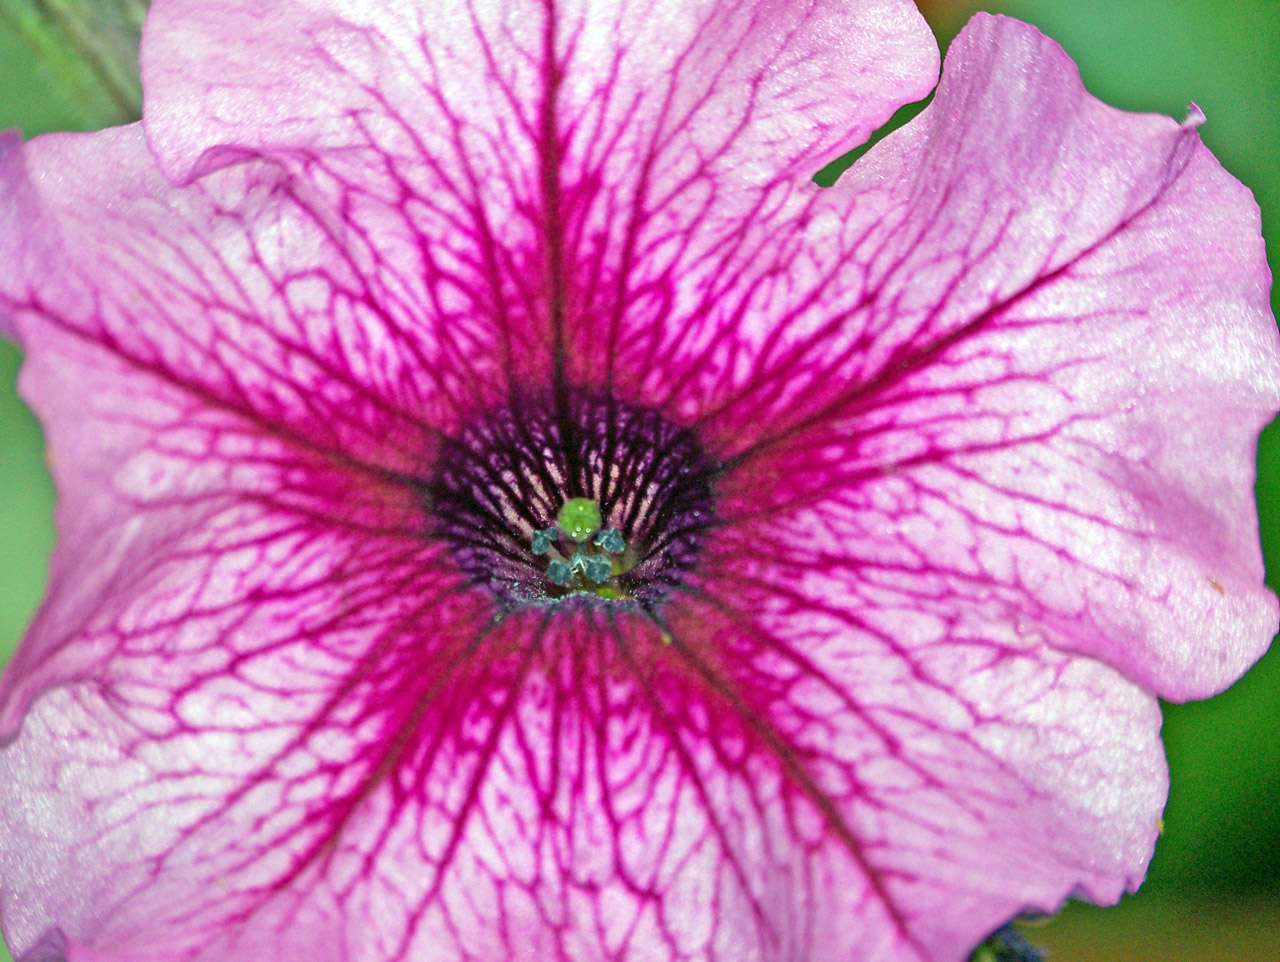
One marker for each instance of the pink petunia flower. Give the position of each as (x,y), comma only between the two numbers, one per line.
(509,512)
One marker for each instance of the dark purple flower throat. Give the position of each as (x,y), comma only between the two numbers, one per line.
(576,497)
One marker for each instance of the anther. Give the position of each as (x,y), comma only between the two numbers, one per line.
(611,540)
(543,539)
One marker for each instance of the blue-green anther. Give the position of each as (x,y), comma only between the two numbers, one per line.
(579,519)
(543,539)
(560,573)
(597,567)
(611,540)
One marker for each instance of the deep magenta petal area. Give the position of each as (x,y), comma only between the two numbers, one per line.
(910,496)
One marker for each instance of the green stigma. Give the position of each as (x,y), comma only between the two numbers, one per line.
(579,519)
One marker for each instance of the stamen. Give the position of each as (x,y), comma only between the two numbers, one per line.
(596,567)
(560,572)
(577,520)
(611,540)
(543,539)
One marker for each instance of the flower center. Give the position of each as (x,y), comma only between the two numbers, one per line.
(586,498)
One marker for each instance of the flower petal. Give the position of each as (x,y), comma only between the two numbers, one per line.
(749,87)
(965,777)
(551,169)
(1039,374)
(236,291)
(214,669)
(276,782)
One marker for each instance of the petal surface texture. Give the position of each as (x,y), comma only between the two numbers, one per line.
(984,412)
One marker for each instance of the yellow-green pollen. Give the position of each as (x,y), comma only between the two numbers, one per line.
(597,554)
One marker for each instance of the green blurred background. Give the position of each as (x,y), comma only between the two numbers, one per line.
(1213,892)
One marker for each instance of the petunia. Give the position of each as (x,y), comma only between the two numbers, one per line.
(509,512)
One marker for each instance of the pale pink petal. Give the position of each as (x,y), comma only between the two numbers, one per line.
(573,772)
(745,88)
(15,195)
(554,169)
(223,309)
(235,629)
(971,772)
(1038,378)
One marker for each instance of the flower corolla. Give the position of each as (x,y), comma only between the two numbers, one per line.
(509,511)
